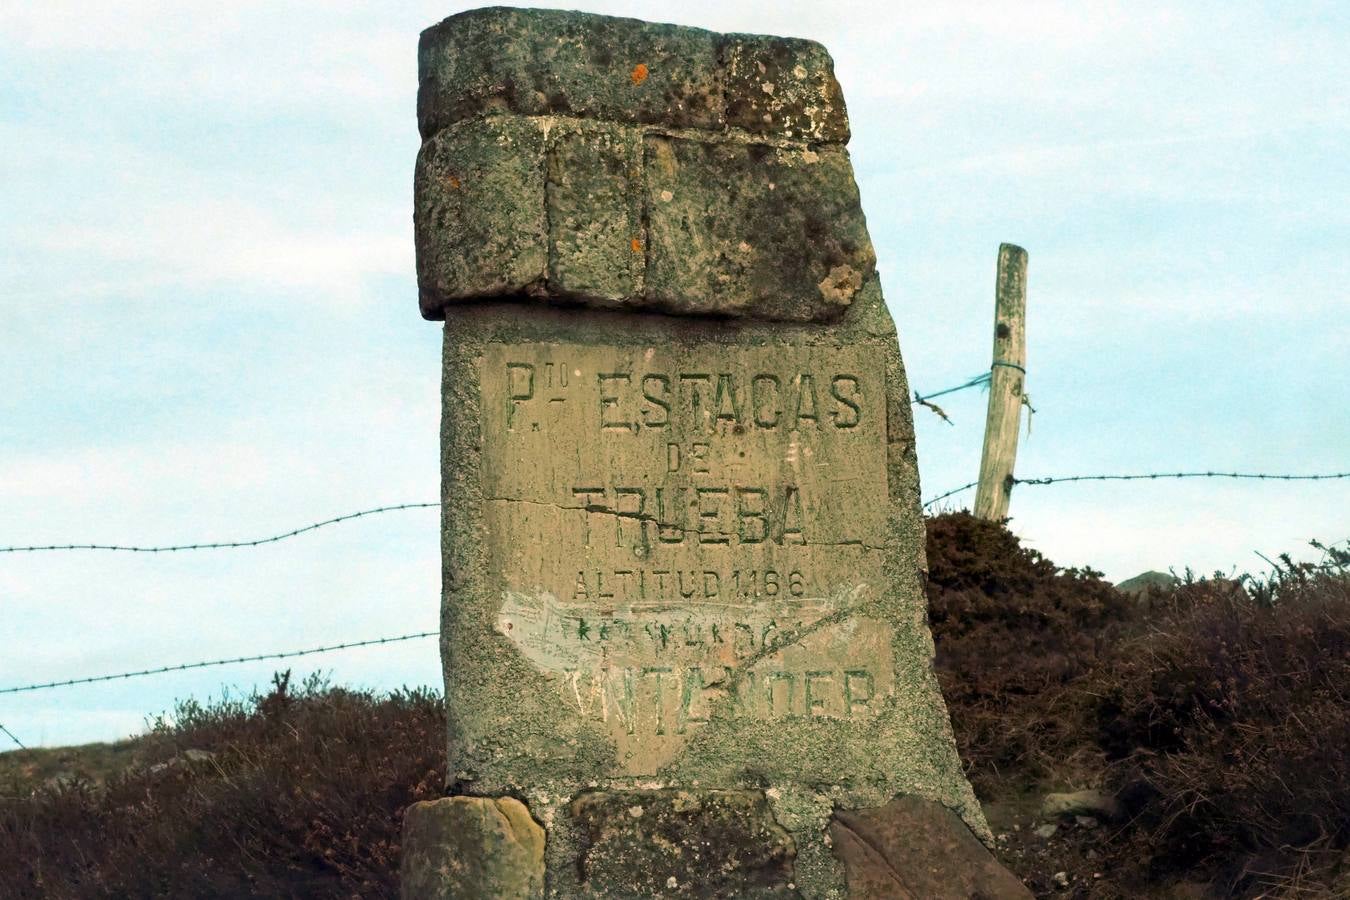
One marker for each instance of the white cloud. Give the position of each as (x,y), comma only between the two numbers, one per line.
(235,243)
(160,221)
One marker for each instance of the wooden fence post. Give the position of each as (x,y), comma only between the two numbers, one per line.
(1005,386)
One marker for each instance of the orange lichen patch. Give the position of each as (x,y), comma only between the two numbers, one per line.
(639,73)
(636,245)
(453,182)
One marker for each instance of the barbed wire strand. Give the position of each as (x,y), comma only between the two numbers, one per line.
(12,737)
(220,544)
(964,487)
(982,378)
(423,634)
(215,662)
(1054,479)
(926,399)
(128,548)
(1150,476)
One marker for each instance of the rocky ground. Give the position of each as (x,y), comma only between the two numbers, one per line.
(1059,844)
(1069,853)
(24,771)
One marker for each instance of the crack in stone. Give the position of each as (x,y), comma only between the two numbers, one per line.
(605,510)
(871,849)
(550,188)
(795,636)
(671,526)
(872,548)
(729,134)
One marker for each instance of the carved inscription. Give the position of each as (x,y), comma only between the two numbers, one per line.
(681,527)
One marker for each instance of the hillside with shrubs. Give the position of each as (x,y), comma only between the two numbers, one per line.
(1191,741)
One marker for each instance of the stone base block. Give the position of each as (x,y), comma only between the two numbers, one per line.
(472,848)
(915,849)
(672,843)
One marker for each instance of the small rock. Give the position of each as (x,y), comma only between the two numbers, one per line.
(1139,585)
(60,781)
(913,848)
(1085,821)
(186,758)
(1061,879)
(472,848)
(1090,855)
(1080,803)
(1047,830)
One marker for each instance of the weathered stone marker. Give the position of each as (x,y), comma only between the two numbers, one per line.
(683,618)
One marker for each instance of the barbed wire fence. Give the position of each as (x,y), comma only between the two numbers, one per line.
(919,400)
(12,737)
(285,654)
(294,532)
(1150,476)
(181,667)
(219,545)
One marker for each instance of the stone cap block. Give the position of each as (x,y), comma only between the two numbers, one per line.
(754,231)
(480,227)
(552,62)
(603,215)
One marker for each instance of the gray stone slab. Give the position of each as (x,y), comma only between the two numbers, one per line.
(554,62)
(478,214)
(755,231)
(558,63)
(597,235)
(680,843)
(784,86)
(572,211)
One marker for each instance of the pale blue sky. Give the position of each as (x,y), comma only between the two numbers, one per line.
(209,322)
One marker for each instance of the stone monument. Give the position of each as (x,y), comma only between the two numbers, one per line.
(683,624)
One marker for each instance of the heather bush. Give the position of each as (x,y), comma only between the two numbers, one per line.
(1013,631)
(1230,724)
(1218,712)
(303,798)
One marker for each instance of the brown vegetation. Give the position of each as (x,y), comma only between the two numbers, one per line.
(302,797)
(1218,713)
(1013,631)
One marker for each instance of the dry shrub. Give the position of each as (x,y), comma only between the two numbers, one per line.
(1013,631)
(1231,723)
(304,798)
(1219,711)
